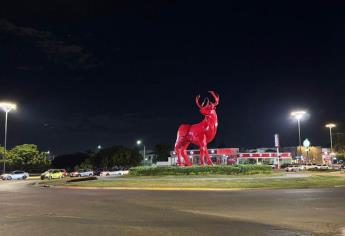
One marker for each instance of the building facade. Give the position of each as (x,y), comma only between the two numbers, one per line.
(231,156)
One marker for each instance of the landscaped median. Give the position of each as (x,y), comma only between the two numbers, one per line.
(201,170)
(206,183)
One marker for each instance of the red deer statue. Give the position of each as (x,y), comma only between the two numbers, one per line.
(199,134)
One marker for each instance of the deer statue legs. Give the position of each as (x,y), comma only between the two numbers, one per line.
(178,154)
(209,160)
(204,152)
(181,151)
(181,147)
(185,156)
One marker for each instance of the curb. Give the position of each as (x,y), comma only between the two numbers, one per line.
(152,189)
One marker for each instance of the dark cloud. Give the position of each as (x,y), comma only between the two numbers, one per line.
(59,52)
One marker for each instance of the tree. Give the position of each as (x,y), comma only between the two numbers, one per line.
(9,160)
(24,153)
(39,162)
(162,151)
(116,156)
(339,144)
(70,161)
(27,157)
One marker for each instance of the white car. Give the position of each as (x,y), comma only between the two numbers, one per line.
(335,167)
(114,173)
(81,173)
(309,166)
(15,175)
(322,167)
(294,168)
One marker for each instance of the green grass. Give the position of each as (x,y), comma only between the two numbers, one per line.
(188,183)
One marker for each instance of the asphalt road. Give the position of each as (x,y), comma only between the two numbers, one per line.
(29,210)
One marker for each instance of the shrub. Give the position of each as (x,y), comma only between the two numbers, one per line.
(81,179)
(321,170)
(202,170)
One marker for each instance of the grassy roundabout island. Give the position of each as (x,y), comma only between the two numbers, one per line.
(201,170)
(208,178)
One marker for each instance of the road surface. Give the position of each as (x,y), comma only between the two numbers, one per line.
(30,210)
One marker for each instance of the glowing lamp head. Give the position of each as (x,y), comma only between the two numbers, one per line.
(298,115)
(8,106)
(306,143)
(330,125)
(139,142)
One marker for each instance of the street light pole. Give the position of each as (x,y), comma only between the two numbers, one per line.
(5,142)
(144,152)
(7,107)
(139,142)
(298,115)
(330,136)
(299,136)
(330,126)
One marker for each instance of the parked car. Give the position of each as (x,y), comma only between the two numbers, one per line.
(43,175)
(98,172)
(322,167)
(81,173)
(52,174)
(114,173)
(309,166)
(18,174)
(273,166)
(294,168)
(64,172)
(335,167)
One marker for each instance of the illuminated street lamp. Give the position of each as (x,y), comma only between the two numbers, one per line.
(6,107)
(306,144)
(139,142)
(298,115)
(330,126)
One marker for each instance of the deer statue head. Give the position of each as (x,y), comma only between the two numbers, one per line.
(207,107)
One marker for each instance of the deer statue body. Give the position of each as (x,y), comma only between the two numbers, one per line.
(199,134)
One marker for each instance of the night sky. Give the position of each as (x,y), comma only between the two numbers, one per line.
(85,73)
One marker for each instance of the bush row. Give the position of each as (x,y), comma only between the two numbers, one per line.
(81,179)
(322,170)
(202,170)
